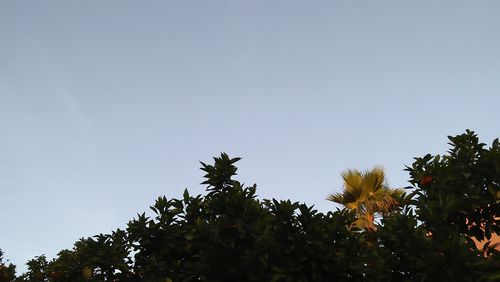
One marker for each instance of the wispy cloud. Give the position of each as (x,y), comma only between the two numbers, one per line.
(16,124)
(73,107)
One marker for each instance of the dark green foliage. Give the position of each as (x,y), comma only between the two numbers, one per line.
(407,253)
(106,254)
(37,270)
(463,197)
(7,271)
(231,235)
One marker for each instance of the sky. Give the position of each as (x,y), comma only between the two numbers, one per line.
(106,105)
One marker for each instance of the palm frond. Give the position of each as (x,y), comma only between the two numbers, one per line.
(373,180)
(345,197)
(352,179)
(368,194)
(336,198)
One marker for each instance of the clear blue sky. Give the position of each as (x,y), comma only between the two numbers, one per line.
(105,105)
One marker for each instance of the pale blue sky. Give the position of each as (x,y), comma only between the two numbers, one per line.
(105,105)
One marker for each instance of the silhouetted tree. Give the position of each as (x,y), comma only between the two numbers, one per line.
(231,235)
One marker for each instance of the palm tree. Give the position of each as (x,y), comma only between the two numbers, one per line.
(367,194)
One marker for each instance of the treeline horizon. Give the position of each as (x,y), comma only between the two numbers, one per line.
(444,226)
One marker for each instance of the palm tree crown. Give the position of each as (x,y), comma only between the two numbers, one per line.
(367,194)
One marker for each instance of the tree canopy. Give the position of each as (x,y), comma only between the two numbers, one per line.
(229,234)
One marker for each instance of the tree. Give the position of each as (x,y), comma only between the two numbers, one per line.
(104,257)
(461,191)
(7,271)
(229,234)
(37,270)
(367,194)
